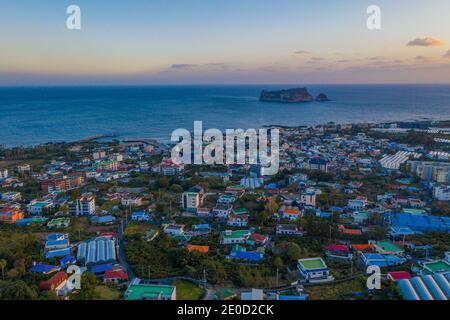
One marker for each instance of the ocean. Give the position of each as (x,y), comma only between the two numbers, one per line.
(34,115)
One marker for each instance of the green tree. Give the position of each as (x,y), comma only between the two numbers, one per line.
(3,265)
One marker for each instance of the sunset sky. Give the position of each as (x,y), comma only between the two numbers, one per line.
(223,42)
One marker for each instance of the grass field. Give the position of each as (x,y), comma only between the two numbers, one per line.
(187,290)
(335,291)
(136,228)
(107,293)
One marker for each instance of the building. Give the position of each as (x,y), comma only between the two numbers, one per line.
(442,193)
(314,270)
(100,250)
(318,164)
(57,283)
(10,215)
(23,168)
(174,229)
(291,214)
(234,236)
(308,199)
(117,276)
(140,291)
(428,287)
(238,220)
(83,206)
(11,196)
(132,201)
(192,199)
(37,207)
(140,216)
(431,170)
(62,222)
(357,204)
(4,174)
(288,230)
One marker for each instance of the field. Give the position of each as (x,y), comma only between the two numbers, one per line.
(107,293)
(187,290)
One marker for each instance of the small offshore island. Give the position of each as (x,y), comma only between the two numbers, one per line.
(294,95)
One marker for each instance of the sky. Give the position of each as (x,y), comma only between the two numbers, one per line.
(137,42)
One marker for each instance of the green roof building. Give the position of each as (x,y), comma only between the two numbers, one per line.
(141,291)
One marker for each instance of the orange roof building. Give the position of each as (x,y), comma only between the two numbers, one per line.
(362,247)
(192,248)
(10,215)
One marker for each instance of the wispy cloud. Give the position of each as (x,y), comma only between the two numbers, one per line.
(426,42)
(447,55)
(183,66)
(302,52)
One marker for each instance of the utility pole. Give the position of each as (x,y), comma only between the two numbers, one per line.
(277,279)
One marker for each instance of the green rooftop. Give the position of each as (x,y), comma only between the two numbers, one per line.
(148,291)
(312,263)
(235,234)
(388,246)
(438,266)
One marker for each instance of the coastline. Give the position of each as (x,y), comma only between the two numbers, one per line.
(373,124)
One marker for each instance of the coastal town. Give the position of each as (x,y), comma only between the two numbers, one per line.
(107,219)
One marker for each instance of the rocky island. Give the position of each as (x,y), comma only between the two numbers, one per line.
(294,95)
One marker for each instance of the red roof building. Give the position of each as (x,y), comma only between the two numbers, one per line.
(116,276)
(55,282)
(399,275)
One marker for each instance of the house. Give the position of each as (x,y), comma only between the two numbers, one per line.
(442,193)
(59,223)
(258,239)
(10,215)
(108,219)
(436,266)
(252,256)
(201,229)
(398,275)
(288,230)
(253,295)
(57,241)
(234,237)
(196,248)
(57,283)
(141,291)
(174,229)
(131,201)
(240,220)
(352,232)
(360,217)
(117,276)
(387,247)
(380,260)
(314,270)
(291,214)
(357,204)
(37,207)
(338,252)
(203,212)
(140,216)
(11,196)
(222,211)
(43,268)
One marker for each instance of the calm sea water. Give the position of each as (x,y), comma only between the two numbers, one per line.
(38,115)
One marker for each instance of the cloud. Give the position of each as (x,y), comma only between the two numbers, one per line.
(183,66)
(302,52)
(425,42)
(447,55)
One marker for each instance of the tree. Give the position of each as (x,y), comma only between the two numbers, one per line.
(88,284)
(3,265)
(17,290)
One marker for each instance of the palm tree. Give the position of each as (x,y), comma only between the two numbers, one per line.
(3,264)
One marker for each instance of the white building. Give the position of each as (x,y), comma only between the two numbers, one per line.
(442,193)
(83,206)
(4,173)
